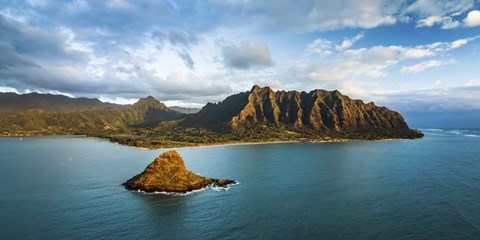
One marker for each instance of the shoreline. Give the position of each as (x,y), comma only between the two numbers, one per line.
(210,145)
(261,143)
(282,142)
(237,144)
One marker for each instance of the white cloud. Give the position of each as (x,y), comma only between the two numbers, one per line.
(439,7)
(117,100)
(429,21)
(427,100)
(8,89)
(421,66)
(439,47)
(369,62)
(347,43)
(374,62)
(458,43)
(472,19)
(438,12)
(312,15)
(435,99)
(177,103)
(449,23)
(320,46)
(324,47)
(415,52)
(445,22)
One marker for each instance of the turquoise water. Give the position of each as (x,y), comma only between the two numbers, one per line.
(68,188)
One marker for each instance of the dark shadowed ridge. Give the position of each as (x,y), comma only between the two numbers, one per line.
(148,112)
(12,103)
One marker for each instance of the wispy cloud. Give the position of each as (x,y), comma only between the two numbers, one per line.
(347,43)
(320,46)
(180,41)
(373,62)
(421,66)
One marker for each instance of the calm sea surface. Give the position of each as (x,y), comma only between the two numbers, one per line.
(68,188)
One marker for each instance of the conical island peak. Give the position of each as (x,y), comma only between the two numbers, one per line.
(167,173)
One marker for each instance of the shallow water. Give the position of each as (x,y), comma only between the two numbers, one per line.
(68,188)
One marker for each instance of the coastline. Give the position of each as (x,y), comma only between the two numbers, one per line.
(200,145)
(236,144)
(282,142)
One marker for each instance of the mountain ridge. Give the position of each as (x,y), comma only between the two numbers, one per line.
(317,110)
(260,114)
(146,112)
(13,103)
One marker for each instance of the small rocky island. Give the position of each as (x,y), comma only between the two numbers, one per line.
(167,173)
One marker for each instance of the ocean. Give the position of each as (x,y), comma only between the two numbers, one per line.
(69,188)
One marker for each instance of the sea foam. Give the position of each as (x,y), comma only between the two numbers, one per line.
(224,188)
(434,129)
(217,189)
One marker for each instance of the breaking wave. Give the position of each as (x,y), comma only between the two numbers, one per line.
(434,129)
(450,132)
(224,188)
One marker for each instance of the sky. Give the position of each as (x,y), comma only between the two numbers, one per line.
(420,57)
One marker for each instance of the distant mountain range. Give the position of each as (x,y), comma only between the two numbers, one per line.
(83,119)
(12,103)
(256,112)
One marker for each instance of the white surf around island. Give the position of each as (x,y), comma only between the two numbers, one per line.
(181,194)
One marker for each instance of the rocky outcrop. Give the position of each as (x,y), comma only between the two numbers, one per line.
(167,173)
(319,110)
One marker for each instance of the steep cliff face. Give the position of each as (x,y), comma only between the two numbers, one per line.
(167,173)
(317,110)
(217,116)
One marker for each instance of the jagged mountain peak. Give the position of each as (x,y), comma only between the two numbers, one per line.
(318,109)
(257,88)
